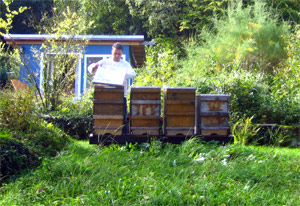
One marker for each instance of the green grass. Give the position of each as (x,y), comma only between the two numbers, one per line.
(160,174)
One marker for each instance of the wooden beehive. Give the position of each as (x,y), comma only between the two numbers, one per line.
(108,112)
(179,111)
(145,110)
(212,114)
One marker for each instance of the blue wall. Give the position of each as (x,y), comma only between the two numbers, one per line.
(90,49)
(34,62)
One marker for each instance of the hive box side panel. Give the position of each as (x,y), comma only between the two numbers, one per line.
(108,109)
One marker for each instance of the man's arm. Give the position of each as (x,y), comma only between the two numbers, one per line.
(130,73)
(92,68)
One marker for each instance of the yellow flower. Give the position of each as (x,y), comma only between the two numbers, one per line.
(237,56)
(254,25)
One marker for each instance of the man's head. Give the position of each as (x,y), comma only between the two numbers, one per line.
(117,51)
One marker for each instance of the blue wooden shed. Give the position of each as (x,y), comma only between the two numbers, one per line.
(98,47)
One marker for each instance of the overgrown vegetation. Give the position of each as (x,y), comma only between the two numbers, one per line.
(251,55)
(247,51)
(74,116)
(161,174)
(25,138)
(14,156)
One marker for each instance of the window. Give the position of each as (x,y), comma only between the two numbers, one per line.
(61,69)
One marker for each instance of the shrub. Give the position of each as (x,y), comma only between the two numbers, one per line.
(3,77)
(30,139)
(74,116)
(269,99)
(277,135)
(160,65)
(14,156)
(77,126)
(9,60)
(17,110)
(44,140)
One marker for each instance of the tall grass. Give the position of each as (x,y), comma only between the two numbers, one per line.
(161,174)
(251,36)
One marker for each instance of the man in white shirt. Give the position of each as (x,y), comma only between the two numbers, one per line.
(114,63)
(119,67)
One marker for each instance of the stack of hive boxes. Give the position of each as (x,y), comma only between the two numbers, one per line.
(212,114)
(179,111)
(145,110)
(108,116)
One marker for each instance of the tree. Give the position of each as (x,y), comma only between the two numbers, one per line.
(158,17)
(110,17)
(9,59)
(25,22)
(59,53)
(199,14)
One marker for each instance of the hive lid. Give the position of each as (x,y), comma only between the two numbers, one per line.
(171,88)
(145,89)
(213,97)
(180,89)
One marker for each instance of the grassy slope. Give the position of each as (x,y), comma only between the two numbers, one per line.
(156,174)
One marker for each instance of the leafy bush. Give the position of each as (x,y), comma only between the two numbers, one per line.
(74,116)
(3,76)
(9,60)
(78,127)
(277,135)
(43,140)
(160,66)
(14,156)
(46,140)
(17,110)
(21,150)
(30,139)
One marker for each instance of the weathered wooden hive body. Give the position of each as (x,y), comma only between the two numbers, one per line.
(108,110)
(212,114)
(145,110)
(179,111)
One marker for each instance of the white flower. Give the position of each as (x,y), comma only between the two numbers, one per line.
(200,159)
(174,163)
(251,157)
(226,156)
(246,187)
(224,162)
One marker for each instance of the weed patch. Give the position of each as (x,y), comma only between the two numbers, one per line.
(192,173)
